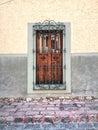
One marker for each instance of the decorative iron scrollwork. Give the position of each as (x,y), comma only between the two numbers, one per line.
(33,51)
(43,58)
(33,67)
(55,57)
(64,66)
(49,25)
(64,50)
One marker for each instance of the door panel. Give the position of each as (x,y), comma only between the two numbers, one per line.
(49,57)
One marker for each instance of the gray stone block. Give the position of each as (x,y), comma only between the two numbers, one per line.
(84,71)
(13,75)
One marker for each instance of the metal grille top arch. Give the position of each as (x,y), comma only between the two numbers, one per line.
(49,25)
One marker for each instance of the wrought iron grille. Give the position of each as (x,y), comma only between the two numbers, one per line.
(49,55)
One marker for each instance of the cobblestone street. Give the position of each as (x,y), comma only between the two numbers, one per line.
(49,113)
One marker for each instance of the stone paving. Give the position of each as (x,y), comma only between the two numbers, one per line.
(49,113)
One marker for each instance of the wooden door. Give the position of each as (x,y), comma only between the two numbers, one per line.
(49,57)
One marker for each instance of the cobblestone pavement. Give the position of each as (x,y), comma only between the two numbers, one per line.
(50,113)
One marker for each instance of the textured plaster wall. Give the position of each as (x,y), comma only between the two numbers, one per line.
(16,14)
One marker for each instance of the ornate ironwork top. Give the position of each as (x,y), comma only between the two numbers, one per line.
(49,25)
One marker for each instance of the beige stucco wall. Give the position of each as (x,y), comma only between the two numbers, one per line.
(16,14)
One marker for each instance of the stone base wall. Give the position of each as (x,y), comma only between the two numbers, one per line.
(13,75)
(84,73)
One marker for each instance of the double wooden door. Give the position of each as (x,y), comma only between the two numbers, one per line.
(49,57)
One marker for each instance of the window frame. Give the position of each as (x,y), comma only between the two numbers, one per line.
(31,69)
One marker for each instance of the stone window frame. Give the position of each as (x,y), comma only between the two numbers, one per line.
(31,69)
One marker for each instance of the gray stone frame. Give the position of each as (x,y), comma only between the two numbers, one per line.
(32,27)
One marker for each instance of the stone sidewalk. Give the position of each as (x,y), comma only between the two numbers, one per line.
(49,113)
